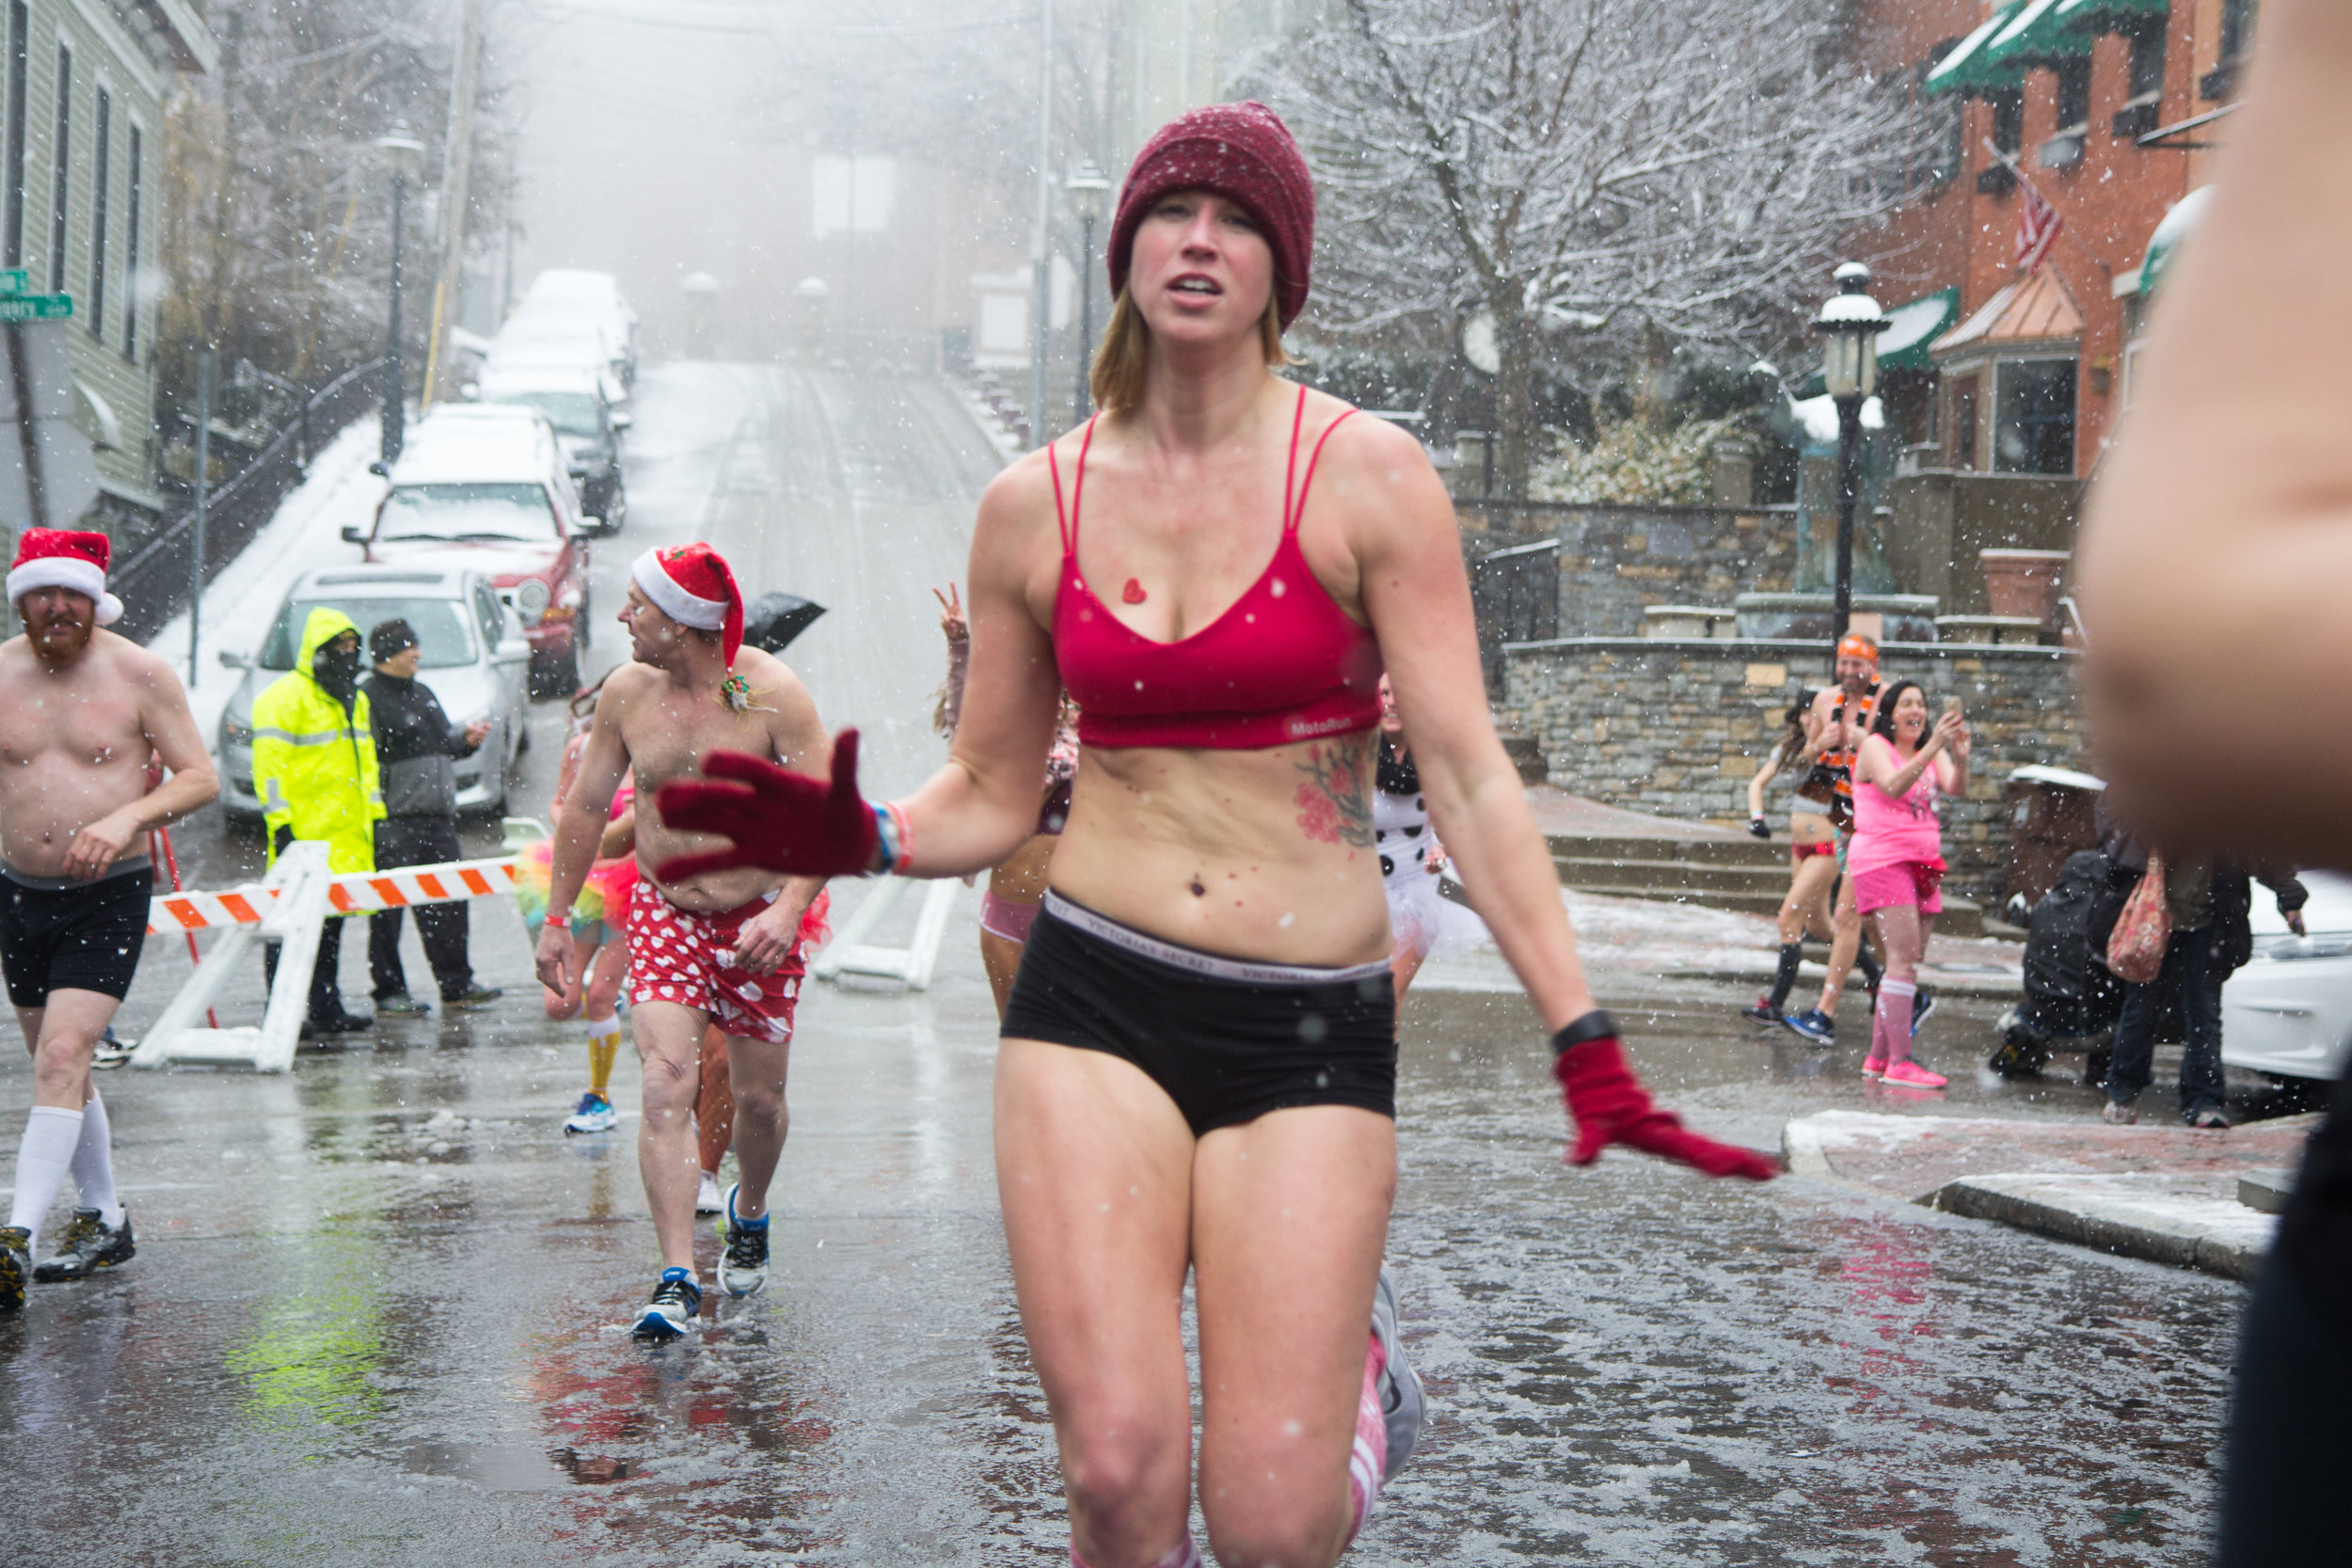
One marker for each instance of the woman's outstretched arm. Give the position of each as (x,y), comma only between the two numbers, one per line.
(2217,542)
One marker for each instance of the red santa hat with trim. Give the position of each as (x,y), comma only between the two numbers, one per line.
(65,558)
(692,585)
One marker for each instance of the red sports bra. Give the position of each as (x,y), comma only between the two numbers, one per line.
(1282,663)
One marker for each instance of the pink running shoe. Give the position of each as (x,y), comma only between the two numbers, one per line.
(1914,1075)
(1873,1066)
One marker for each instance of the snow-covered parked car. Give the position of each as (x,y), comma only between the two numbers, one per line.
(2288,1012)
(579,294)
(473,658)
(487,485)
(587,427)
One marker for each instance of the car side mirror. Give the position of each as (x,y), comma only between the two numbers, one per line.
(512,650)
(352,534)
(378,469)
(231,659)
(622,421)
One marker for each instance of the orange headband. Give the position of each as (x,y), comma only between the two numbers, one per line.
(1855,645)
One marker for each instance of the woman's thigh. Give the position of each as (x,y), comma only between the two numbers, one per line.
(1094,1172)
(1809,883)
(1901,933)
(1290,1216)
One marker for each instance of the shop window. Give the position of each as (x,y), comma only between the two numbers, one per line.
(2009,134)
(2033,417)
(1964,405)
(2074,93)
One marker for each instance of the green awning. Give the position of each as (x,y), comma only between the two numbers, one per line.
(2109,16)
(2036,37)
(1966,69)
(1912,327)
(2165,242)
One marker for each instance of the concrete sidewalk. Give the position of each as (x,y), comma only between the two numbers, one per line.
(2166,1194)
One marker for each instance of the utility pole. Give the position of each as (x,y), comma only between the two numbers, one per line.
(455,196)
(1040,292)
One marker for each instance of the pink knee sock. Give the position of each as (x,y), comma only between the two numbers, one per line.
(1890,1027)
(1186,1555)
(1369,1457)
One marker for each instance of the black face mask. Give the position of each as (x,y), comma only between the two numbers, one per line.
(337,670)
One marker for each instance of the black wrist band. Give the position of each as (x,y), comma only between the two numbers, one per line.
(1594,1025)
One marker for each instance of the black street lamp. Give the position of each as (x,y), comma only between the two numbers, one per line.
(1088,187)
(403,150)
(1849,323)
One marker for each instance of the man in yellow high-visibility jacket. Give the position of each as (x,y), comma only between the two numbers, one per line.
(314,768)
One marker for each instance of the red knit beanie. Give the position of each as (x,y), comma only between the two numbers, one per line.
(1242,152)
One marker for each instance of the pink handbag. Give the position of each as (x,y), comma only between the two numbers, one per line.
(2135,948)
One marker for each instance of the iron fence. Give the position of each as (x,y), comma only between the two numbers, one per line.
(1515,593)
(153,584)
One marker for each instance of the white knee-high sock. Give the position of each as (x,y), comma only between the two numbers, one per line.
(41,1161)
(1368,1458)
(94,1162)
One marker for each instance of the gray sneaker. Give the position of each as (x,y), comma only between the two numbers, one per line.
(1401,1396)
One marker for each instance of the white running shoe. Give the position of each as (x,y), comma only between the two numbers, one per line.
(596,1114)
(676,1301)
(743,1266)
(707,1198)
(1401,1396)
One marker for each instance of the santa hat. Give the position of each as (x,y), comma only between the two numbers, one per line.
(63,558)
(692,585)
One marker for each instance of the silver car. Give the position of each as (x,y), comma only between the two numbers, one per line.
(475,660)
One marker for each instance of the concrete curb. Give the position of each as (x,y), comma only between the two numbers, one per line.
(2162,1219)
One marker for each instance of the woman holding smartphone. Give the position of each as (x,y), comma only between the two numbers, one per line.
(1896,858)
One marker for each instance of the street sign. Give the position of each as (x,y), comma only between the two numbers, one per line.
(14,281)
(36,307)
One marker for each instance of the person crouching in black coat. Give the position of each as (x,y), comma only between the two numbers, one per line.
(415,745)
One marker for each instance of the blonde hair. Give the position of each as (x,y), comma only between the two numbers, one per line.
(1125,352)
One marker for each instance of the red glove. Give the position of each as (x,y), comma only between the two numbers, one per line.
(781,822)
(1611,1106)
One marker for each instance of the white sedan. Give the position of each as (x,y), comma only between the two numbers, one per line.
(2289,1011)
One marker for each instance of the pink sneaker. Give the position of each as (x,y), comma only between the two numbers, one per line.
(1873,1066)
(1914,1075)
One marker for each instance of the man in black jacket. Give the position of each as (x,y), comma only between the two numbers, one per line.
(415,744)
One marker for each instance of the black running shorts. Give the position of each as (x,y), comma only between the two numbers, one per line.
(82,936)
(1228,1049)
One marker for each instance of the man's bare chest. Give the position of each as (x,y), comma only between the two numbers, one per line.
(82,722)
(669,739)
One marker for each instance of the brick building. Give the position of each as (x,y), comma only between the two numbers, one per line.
(2110,108)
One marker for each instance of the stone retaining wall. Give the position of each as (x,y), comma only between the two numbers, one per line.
(1676,726)
(1615,561)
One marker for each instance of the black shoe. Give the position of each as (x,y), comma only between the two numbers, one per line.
(743,1267)
(399,1005)
(472,996)
(1921,1005)
(337,1023)
(90,1245)
(16,1266)
(1762,1010)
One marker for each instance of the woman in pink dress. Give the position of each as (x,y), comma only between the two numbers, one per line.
(1896,858)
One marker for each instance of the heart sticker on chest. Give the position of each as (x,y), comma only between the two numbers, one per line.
(1132,592)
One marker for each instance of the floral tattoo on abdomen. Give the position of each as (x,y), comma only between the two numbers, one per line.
(1334,805)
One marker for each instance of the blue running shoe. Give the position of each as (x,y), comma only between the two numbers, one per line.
(675,1302)
(596,1114)
(1401,1396)
(1921,1005)
(1814,1025)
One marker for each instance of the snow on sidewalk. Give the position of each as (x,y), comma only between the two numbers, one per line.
(241,602)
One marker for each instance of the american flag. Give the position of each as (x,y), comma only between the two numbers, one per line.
(2038,226)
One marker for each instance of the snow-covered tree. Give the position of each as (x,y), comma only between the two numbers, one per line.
(1660,172)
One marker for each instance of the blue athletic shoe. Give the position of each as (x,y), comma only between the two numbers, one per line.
(1401,1396)
(596,1114)
(675,1302)
(743,1266)
(1814,1025)
(1921,1005)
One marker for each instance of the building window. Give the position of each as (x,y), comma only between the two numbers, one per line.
(2147,41)
(2237,29)
(2008,121)
(101,174)
(1963,403)
(2074,94)
(2033,417)
(1943,134)
(60,169)
(20,30)
(131,250)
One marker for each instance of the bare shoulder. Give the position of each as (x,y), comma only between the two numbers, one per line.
(622,689)
(126,660)
(1020,500)
(1374,471)
(773,683)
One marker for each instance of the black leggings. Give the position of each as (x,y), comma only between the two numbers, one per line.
(1227,1040)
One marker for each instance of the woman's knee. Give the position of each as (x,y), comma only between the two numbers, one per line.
(1276,1527)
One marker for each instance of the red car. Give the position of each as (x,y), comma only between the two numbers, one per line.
(485,483)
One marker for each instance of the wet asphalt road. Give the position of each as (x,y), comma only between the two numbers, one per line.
(376,1318)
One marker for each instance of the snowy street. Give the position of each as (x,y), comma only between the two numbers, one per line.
(376,1316)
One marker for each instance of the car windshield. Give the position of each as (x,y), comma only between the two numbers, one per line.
(571,413)
(468,514)
(440,625)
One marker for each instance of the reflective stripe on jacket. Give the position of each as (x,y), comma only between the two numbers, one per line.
(314,760)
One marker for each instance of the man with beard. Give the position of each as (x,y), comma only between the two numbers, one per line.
(724,947)
(314,768)
(81,712)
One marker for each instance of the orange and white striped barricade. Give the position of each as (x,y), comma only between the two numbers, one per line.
(849,952)
(290,905)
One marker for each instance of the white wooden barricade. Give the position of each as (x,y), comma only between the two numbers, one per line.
(850,953)
(292,899)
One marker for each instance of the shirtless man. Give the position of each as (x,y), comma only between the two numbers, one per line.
(724,947)
(81,710)
(1840,717)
